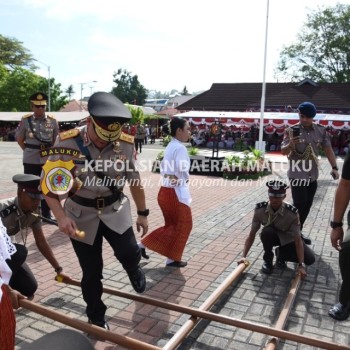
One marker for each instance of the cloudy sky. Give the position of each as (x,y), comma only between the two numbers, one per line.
(168,44)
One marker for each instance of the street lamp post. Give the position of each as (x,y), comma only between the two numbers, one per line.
(260,145)
(49,83)
(81,92)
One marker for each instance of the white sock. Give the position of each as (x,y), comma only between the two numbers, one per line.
(168,261)
(140,245)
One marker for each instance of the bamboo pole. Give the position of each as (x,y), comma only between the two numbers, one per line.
(179,336)
(282,319)
(221,318)
(99,332)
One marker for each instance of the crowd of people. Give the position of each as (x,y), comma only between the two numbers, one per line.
(99,209)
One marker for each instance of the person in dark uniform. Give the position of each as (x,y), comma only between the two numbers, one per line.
(302,143)
(341,242)
(281,228)
(20,216)
(103,159)
(37,132)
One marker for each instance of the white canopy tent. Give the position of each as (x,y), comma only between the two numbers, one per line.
(275,119)
(61,117)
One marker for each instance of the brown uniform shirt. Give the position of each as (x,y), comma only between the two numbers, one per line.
(317,137)
(119,156)
(285,220)
(16,221)
(38,132)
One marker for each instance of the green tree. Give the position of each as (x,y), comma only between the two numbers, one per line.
(322,49)
(137,114)
(70,91)
(19,84)
(128,88)
(14,54)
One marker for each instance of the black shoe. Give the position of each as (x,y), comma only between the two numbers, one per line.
(177,264)
(280,263)
(143,253)
(48,218)
(267,268)
(339,312)
(305,239)
(102,324)
(138,280)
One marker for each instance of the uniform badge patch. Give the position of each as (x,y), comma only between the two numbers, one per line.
(58,177)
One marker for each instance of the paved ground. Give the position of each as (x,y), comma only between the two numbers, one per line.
(222,212)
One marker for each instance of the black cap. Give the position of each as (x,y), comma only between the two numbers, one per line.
(108,115)
(277,188)
(307,109)
(28,183)
(39,99)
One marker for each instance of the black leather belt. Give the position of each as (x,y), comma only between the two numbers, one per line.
(98,203)
(42,146)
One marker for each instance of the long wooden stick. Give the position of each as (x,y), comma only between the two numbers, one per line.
(220,318)
(282,319)
(179,336)
(101,333)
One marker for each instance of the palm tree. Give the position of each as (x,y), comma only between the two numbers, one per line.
(70,91)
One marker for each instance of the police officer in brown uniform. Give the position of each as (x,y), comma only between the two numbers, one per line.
(36,132)
(281,228)
(20,216)
(301,143)
(104,160)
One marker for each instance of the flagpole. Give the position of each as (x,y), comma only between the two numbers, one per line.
(261,144)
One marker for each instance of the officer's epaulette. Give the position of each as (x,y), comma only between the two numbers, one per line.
(126,137)
(320,125)
(291,208)
(8,210)
(27,115)
(50,116)
(65,135)
(261,205)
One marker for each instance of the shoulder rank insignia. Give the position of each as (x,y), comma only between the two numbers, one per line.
(8,210)
(27,115)
(291,208)
(126,137)
(50,116)
(65,135)
(261,205)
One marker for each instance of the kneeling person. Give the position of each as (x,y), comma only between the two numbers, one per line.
(20,215)
(281,228)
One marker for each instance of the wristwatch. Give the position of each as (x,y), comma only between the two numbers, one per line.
(143,212)
(335,167)
(335,224)
(58,270)
(301,265)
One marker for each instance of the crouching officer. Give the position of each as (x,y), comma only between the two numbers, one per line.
(103,160)
(281,228)
(20,216)
(36,133)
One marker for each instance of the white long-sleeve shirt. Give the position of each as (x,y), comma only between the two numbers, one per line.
(176,162)
(6,250)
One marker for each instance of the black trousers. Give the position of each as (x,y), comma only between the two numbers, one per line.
(22,278)
(35,169)
(269,238)
(90,259)
(138,144)
(303,193)
(344,265)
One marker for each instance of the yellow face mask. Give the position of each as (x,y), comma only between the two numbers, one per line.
(113,133)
